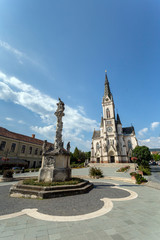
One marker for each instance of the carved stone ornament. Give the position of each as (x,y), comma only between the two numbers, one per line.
(49,161)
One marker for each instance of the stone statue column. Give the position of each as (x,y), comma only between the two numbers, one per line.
(59,114)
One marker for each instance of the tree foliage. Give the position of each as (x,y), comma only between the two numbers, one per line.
(79,156)
(156,157)
(142,155)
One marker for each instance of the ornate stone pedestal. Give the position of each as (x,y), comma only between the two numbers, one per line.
(55,167)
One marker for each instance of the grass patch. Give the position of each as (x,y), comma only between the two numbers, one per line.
(34,182)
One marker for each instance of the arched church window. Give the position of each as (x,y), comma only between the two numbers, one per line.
(97,146)
(107,113)
(129,144)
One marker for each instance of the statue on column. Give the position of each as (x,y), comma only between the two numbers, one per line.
(59,114)
(55,159)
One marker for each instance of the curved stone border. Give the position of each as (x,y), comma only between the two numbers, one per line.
(107,207)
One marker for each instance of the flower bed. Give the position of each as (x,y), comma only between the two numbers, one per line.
(123,169)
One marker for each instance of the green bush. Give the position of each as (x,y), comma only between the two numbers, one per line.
(133,173)
(27,170)
(17,171)
(123,169)
(77,165)
(36,169)
(140,179)
(145,170)
(95,172)
(8,173)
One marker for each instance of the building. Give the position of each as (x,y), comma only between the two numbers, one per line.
(19,150)
(155,150)
(112,143)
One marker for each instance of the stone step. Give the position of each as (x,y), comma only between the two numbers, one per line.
(43,194)
(20,185)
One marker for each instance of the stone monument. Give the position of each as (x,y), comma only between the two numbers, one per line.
(56,160)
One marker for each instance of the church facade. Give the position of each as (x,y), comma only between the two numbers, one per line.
(112,143)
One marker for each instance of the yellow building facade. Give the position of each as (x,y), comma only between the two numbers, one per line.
(19,150)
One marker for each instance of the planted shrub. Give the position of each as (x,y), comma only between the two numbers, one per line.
(123,169)
(138,177)
(133,173)
(145,170)
(95,172)
(8,173)
(77,165)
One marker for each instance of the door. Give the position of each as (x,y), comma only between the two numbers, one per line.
(98,160)
(112,159)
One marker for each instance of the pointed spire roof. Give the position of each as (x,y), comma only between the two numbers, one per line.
(118,119)
(107,91)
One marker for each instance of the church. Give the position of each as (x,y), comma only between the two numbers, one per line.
(112,143)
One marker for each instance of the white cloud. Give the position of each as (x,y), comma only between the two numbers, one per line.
(6,46)
(21,122)
(75,122)
(9,119)
(21,56)
(152,142)
(143,131)
(154,125)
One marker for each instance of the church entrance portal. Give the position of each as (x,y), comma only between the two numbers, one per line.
(112,159)
(98,160)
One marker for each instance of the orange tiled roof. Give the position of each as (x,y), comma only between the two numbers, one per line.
(5,133)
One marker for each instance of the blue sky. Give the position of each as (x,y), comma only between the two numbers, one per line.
(51,49)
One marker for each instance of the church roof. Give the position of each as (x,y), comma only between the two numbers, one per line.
(128,130)
(96,134)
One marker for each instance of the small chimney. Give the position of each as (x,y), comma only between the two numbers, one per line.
(33,135)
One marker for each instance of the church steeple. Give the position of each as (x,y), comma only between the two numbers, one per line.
(107,91)
(118,119)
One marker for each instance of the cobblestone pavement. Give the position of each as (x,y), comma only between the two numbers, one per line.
(137,219)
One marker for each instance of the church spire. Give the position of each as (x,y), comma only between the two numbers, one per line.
(118,119)
(107,91)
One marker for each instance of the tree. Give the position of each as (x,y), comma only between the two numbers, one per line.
(76,153)
(156,157)
(141,155)
(87,155)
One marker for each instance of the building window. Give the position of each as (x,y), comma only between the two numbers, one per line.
(129,144)
(13,147)
(109,122)
(97,146)
(40,152)
(30,150)
(108,113)
(36,151)
(2,146)
(23,149)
